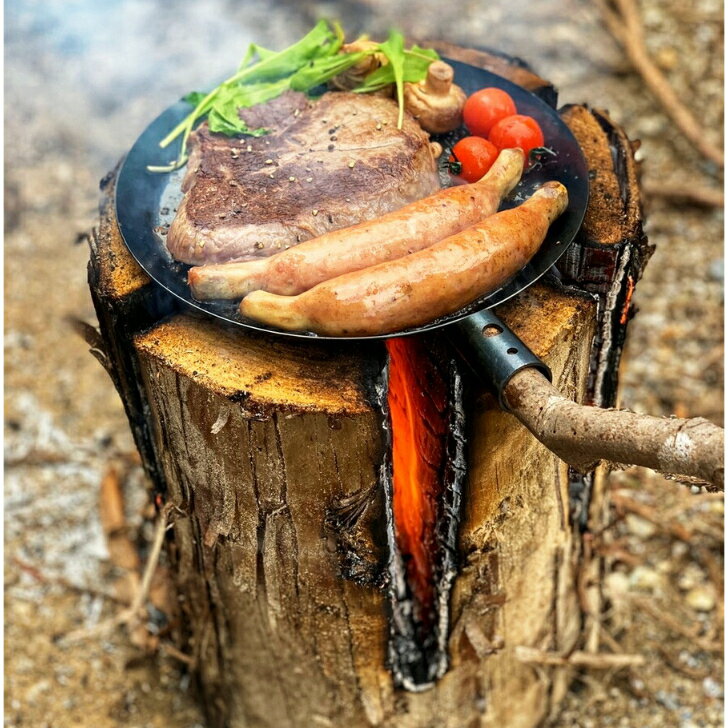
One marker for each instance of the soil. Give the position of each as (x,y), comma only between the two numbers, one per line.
(82,80)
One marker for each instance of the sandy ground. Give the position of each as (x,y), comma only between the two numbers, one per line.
(83,78)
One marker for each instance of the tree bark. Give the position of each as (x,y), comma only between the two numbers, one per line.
(582,435)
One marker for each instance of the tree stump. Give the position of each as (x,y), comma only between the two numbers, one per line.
(272,451)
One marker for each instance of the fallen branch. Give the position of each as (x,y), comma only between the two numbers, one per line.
(599,661)
(697,194)
(582,435)
(675,625)
(626,26)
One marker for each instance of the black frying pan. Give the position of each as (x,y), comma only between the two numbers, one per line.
(147,201)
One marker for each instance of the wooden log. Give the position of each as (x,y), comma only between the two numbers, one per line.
(263,445)
(271,452)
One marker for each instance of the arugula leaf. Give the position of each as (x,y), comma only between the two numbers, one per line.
(194,97)
(318,71)
(319,42)
(393,48)
(224,117)
(416,63)
(311,61)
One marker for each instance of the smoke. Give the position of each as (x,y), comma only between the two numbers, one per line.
(108,68)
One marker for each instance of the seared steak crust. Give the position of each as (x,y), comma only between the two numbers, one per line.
(326,164)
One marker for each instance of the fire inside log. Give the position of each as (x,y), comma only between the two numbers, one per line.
(423,476)
(417,400)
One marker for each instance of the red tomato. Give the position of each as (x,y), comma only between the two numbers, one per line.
(517,131)
(486,107)
(475,155)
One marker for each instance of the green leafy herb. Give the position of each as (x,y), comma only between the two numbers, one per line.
(416,62)
(194,97)
(316,72)
(393,48)
(310,62)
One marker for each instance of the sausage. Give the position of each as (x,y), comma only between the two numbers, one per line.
(402,232)
(421,287)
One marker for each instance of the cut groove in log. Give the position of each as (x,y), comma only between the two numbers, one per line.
(422,476)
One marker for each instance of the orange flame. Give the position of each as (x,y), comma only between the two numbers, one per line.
(417,399)
(627,300)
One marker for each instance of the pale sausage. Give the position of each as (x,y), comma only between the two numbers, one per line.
(421,287)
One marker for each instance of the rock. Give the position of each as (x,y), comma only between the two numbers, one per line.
(701,598)
(690,577)
(665,567)
(644,577)
(640,527)
(616,585)
(715,270)
(712,688)
(669,700)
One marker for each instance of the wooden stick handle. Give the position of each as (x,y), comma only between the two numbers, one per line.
(582,435)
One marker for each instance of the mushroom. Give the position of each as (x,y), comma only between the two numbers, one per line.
(436,102)
(354,76)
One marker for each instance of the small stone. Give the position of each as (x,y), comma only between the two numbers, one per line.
(690,577)
(712,688)
(715,269)
(314,212)
(701,598)
(640,527)
(643,577)
(665,567)
(616,585)
(351,165)
(667,58)
(669,700)
(309,179)
(269,161)
(291,179)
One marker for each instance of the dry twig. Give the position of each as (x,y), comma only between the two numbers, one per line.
(625,503)
(696,194)
(132,616)
(40,577)
(600,661)
(675,625)
(626,26)
(676,664)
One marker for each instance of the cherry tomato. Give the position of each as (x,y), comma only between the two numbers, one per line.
(517,131)
(475,155)
(486,107)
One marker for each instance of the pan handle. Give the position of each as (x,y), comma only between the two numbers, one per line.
(493,351)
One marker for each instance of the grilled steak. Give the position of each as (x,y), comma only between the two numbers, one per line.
(326,164)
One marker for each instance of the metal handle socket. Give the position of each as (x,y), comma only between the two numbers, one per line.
(494,352)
